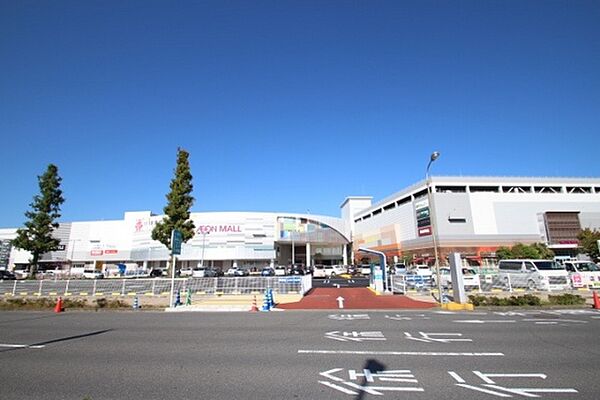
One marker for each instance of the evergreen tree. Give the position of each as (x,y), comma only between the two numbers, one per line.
(36,237)
(179,202)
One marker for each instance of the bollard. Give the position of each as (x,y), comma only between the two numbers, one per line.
(266,306)
(178,298)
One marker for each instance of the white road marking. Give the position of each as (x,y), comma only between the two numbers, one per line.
(21,346)
(355,336)
(529,392)
(483,390)
(402,353)
(428,337)
(348,317)
(555,321)
(486,376)
(337,387)
(456,377)
(480,321)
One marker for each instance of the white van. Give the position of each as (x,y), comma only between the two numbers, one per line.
(583,274)
(534,274)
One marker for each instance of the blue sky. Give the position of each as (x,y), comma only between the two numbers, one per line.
(289,105)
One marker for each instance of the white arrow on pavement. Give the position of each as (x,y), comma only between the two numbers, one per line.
(340,301)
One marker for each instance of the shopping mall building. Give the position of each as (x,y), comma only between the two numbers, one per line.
(470,215)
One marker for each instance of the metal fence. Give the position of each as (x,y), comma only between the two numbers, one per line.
(485,284)
(155,287)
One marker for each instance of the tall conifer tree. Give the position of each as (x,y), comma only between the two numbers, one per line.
(179,202)
(37,237)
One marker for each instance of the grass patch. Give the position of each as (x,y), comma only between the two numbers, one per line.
(45,304)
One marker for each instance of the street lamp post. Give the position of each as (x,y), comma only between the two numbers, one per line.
(434,156)
(203,247)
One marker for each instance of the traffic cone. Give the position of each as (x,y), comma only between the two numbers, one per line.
(59,306)
(596,301)
(254,308)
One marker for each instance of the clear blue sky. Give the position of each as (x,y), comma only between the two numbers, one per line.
(289,105)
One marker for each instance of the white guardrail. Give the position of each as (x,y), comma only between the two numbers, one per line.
(156,286)
(485,283)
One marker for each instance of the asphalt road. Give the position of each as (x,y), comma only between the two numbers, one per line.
(299,355)
(358,281)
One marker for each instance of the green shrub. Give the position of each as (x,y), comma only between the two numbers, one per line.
(493,301)
(566,299)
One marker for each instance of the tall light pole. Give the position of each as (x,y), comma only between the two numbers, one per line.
(203,247)
(434,156)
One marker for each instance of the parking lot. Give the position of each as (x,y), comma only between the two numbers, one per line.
(301,355)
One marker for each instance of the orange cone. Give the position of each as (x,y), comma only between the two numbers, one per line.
(254,307)
(596,301)
(59,306)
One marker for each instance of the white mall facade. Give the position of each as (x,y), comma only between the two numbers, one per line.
(470,215)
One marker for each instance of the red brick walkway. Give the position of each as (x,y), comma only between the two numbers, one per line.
(354,299)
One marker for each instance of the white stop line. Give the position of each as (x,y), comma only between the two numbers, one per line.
(402,353)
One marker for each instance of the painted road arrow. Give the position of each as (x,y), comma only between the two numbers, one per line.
(340,301)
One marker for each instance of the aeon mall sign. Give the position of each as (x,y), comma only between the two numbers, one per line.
(204,229)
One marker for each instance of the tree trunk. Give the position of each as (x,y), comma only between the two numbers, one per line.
(33,266)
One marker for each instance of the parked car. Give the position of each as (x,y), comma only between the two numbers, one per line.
(186,272)
(297,270)
(267,271)
(470,278)
(353,269)
(157,273)
(280,270)
(21,273)
(237,272)
(7,276)
(199,272)
(583,274)
(423,270)
(319,271)
(335,270)
(212,273)
(92,274)
(398,269)
(365,269)
(534,274)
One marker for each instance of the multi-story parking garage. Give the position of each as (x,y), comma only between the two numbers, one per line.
(470,215)
(475,216)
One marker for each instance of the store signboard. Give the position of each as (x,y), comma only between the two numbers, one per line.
(423,218)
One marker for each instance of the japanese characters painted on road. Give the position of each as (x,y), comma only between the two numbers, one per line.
(348,317)
(399,317)
(370,380)
(491,387)
(355,336)
(436,337)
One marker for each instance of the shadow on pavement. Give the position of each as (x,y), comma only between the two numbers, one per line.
(64,339)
